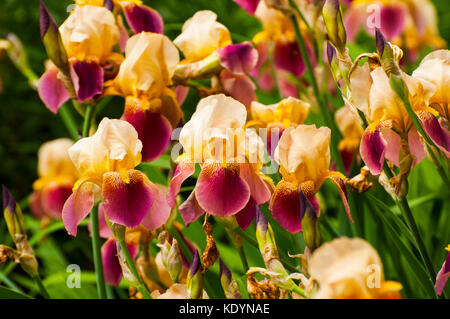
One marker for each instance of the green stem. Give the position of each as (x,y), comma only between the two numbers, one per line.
(88,119)
(42,289)
(68,121)
(403,204)
(140,286)
(320,101)
(243,257)
(96,252)
(299,291)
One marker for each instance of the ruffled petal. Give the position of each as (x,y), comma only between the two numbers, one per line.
(238,86)
(141,18)
(436,132)
(153,129)
(248,5)
(53,198)
(220,190)
(259,190)
(78,206)
(111,267)
(190,210)
(52,90)
(238,58)
(246,215)
(182,172)
(87,78)
(372,149)
(287,56)
(416,146)
(442,276)
(160,210)
(126,202)
(392,21)
(285,207)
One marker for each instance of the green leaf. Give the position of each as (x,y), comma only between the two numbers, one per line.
(6,293)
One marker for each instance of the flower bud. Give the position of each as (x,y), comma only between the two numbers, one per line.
(386,54)
(174,261)
(310,224)
(126,271)
(194,280)
(332,16)
(13,215)
(52,39)
(229,285)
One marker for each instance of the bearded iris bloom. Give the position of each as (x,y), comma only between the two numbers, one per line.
(230,158)
(57,176)
(443,274)
(277,117)
(303,154)
(105,162)
(143,80)
(203,40)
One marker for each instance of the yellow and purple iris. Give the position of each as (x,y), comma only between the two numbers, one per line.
(57,175)
(277,117)
(389,122)
(143,80)
(202,38)
(106,162)
(230,157)
(303,154)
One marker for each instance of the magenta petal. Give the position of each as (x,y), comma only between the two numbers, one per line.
(354,18)
(259,190)
(238,58)
(52,90)
(238,86)
(126,203)
(442,276)
(87,78)
(181,93)
(78,206)
(111,267)
(104,230)
(436,132)
(245,216)
(53,199)
(416,146)
(182,172)
(248,5)
(287,56)
(143,19)
(190,210)
(36,205)
(372,150)
(285,207)
(392,20)
(392,145)
(153,129)
(160,210)
(221,191)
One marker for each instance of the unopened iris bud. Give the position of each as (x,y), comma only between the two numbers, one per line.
(332,16)
(13,215)
(174,261)
(265,237)
(386,54)
(310,224)
(229,285)
(52,39)
(194,280)
(332,60)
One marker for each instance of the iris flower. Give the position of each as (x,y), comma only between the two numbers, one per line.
(105,162)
